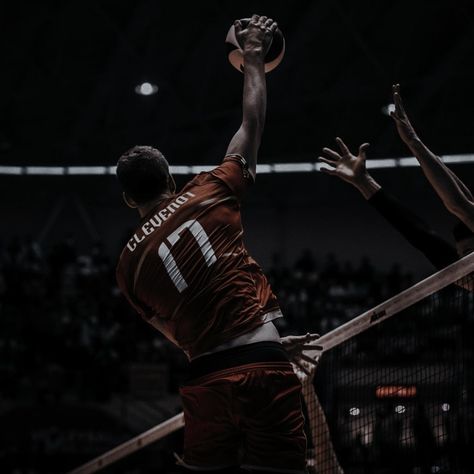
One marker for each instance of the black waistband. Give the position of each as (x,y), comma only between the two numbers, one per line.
(266,351)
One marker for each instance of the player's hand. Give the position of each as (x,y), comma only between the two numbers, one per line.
(345,165)
(258,34)
(405,128)
(296,346)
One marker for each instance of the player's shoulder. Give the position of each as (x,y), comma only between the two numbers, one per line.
(205,177)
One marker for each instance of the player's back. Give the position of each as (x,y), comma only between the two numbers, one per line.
(187,271)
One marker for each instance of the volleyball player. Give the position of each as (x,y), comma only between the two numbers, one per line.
(351,168)
(188,274)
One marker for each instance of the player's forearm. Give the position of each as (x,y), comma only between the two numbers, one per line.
(366,185)
(255,93)
(440,177)
(412,226)
(461,185)
(246,141)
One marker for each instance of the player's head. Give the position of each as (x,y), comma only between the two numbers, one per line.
(144,175)
(464,238)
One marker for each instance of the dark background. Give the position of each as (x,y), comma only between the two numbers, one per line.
(79,372)
(67,98)
(69,70)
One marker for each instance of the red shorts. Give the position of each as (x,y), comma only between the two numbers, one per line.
(248,416)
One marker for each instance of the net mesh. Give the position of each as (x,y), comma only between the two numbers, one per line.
(398,397)
(393,390)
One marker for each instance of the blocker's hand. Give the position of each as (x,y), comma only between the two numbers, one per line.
(405,128)
(345,165)
(257,35)
(296,345)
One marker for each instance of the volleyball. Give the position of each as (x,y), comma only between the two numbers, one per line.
(273,57)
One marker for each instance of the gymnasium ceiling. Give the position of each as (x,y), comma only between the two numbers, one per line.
(69,69)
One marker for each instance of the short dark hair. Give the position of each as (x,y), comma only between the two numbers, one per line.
(143,173)
(461,232)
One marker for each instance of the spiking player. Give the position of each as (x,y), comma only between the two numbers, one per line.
(187,272)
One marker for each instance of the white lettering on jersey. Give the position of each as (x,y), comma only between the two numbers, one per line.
(202,239)
(154,222)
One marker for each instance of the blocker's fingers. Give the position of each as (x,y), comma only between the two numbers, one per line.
(396,100)
(254,18)
(345,150)
(262,20)
(269,23)
(325,160)
(333,154)
(362,149)
(399,108)
(273,27)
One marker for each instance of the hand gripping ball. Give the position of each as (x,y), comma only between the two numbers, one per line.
(274,54)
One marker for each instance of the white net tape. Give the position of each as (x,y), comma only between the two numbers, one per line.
(320,458)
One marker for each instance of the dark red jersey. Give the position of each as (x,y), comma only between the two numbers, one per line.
(186,269)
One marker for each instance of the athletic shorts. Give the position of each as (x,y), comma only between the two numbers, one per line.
(247,415)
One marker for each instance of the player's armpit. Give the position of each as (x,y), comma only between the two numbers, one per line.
(245,143)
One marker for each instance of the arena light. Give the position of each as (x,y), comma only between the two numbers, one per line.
(45,170)
(400,409)
(445,407)
(200,169)
(293,167)
(263,168)
(388,109)
(395,391)
(354,411)
(458,158)
(378,164)
(176,169)
(11,170)
(86,170)
(146,88)
(407,162)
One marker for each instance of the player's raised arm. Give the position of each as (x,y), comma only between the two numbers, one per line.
(453,192)
(352,169)
(255,40)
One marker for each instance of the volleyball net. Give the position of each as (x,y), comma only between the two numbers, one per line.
(392,390)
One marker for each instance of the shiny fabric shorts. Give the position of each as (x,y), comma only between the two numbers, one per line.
(249,415)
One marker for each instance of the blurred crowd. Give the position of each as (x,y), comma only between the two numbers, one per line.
(320,296)
(68,335)
(65,324)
